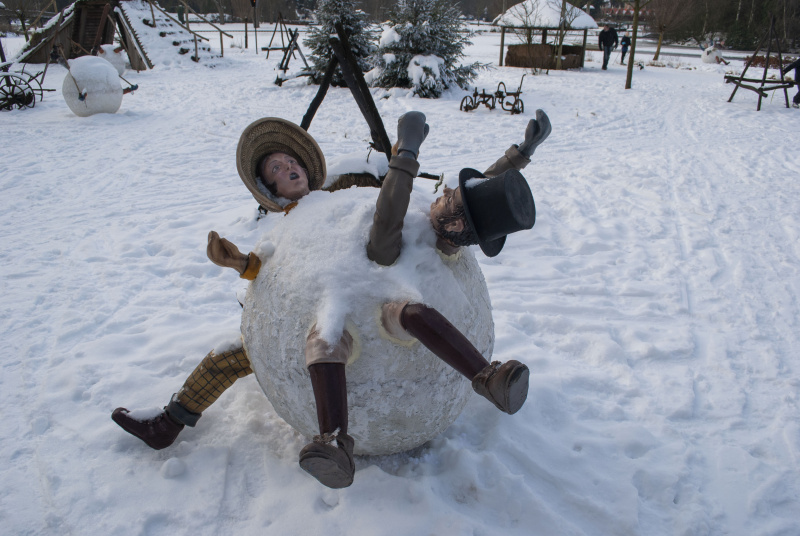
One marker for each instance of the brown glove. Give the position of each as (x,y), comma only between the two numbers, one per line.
(223,252)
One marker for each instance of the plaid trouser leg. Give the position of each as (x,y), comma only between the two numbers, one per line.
(212,377)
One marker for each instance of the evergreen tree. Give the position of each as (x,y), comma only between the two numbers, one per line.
(362,40)
(421,47)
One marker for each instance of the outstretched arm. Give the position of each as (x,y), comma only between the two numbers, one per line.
(223,252)
(519,156)
(386,233)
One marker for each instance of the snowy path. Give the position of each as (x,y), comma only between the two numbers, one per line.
(655,303)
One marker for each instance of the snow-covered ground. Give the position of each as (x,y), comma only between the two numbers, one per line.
(655,302)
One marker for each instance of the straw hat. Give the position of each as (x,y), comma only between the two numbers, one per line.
(274,135)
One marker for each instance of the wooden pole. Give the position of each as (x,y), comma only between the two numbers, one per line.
(152,14)
(766,61)
(98,38)
(255,28)
(502,43)
(323,89)
(583,55)
(358,87)
(245,32)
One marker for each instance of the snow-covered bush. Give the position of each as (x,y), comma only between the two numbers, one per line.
(421,47)
(362,40)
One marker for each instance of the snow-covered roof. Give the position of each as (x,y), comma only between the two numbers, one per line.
(544,14)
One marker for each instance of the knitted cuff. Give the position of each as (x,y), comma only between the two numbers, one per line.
(180,414)
(253,266)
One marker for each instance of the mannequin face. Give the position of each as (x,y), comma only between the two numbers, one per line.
(444,210)
(284,174)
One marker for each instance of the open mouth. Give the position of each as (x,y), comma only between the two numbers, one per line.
(293,176)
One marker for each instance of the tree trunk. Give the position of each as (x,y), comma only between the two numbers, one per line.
(561,33)
(629,78)
(24,28)
(660,40)
(705,19)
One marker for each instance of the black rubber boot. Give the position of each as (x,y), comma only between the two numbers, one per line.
(505,386)
(330,462)
(160,431)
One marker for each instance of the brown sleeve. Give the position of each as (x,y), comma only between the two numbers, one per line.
(512,159)
(386,233)
(353,179)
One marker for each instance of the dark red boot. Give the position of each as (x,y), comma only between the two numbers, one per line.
(160,431)
(329,457)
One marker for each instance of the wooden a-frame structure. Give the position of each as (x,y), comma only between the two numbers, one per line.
(764,84)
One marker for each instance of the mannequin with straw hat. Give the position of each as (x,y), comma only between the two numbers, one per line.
(280,163)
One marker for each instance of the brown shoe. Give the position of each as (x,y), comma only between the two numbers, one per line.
(331,464)
(158,432)
(505,386)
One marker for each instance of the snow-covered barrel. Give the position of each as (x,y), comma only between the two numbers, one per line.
(315,271)
(92,87)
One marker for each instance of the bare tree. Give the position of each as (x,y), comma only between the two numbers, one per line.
(638,5)
(667,15)
(569,12)
(524,17)
(26,11)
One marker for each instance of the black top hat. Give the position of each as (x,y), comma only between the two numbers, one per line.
(496,206)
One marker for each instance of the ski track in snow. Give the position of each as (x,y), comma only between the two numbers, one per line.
(655,302)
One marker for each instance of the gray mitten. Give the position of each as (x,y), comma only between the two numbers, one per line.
(411,132)
(537,131)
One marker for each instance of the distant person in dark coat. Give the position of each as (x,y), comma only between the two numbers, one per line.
(796,66)
(608,41)
(625,43)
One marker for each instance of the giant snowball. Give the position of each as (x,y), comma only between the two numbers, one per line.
(114,55)
(315,270)
(711,55)
(98,80)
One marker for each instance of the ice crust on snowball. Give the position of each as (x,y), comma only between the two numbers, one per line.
(98,80)
(398,397)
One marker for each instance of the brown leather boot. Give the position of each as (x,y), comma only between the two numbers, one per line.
(505,386)
(330,463)
(160,431)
